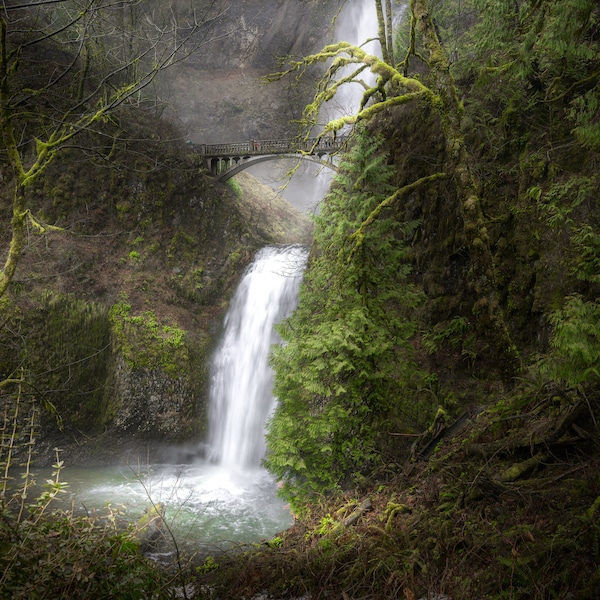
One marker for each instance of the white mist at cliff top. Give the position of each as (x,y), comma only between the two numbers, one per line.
(241,397)
(356,24)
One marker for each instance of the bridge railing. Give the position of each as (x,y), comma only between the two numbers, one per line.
(260,147)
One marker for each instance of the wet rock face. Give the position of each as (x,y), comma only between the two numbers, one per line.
(152,404)
(254,33)
(218,94)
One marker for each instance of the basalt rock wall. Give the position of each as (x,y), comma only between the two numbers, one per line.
(218,95)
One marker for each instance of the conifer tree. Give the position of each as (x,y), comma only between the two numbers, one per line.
(347,360)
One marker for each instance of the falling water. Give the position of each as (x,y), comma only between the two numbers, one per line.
(241,378)
(205,503)
(357,24)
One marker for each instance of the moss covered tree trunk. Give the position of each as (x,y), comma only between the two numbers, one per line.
(381,31)
(17,239)
(487,308)
(14,160)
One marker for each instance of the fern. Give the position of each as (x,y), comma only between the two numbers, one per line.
(347,356)
(576,341)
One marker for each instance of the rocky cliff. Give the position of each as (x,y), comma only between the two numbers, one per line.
(218,94)
(113,317)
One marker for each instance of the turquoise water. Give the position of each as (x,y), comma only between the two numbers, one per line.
(230,500)
(208,508)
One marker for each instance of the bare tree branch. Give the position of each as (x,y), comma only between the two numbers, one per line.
(82,32)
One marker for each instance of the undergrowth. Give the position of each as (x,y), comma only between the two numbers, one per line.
(51,553)
(506,508)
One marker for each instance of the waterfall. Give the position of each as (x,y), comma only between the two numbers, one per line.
(356,24)
(241,398)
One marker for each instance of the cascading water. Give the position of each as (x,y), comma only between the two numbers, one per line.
(241,398)
(356,24)
(232,499)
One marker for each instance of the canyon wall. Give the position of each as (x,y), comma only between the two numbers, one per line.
(218,94)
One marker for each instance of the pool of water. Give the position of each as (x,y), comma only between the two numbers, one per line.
(208,508)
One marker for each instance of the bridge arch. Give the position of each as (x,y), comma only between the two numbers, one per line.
(247,161)
(226,160)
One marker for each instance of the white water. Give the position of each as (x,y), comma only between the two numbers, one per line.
(233,501)
(207,508)
(241,398)
(356,24)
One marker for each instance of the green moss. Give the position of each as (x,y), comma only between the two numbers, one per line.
(67,353)
(182,246)
(235,187)
(147,344)
(234,258)
(123,209)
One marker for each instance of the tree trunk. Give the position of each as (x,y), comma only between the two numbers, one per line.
(17,239)
(487,308)
(381,32)
(389,31)
(14,160)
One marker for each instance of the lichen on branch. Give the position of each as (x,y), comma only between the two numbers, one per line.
(391,85)
(394,88)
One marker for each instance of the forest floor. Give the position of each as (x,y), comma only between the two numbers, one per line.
(504,506)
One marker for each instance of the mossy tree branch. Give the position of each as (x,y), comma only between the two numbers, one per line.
(344,54)
(442,95)
(119,84)
(359,234)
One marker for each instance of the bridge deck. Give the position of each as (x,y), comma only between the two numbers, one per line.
(310,146)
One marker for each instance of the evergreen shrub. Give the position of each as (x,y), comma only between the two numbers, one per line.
(346,366)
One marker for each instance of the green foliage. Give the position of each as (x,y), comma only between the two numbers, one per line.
(576,326)
(576,340)
(347,363)
(209,564)
(542,37)
(275,542)
(536,63)
(75,557)
(182,245)
(453,333)
(145,343)
(46,553)
(562,198)
(584,115)
(586,242)
(235,187)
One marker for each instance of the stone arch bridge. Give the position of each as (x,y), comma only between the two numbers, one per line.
(226,160)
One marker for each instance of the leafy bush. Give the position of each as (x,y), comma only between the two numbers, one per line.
(576,341)
(346,365)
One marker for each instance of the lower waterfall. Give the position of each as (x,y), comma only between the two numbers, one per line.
(231,498)
(241,399)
